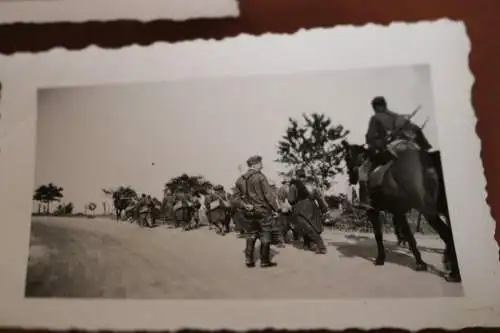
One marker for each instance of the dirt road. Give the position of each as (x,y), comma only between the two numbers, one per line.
(98,258)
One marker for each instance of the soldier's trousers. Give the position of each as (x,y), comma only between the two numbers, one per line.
(258,229)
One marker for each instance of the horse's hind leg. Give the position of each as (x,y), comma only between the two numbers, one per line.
(450,254)
(374,218)
(402,222)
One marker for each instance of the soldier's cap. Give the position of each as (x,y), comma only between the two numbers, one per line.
(218,188)
(379,101)
(300,173)
(256,159)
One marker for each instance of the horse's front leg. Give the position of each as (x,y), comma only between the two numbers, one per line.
(374,218)
(402,222)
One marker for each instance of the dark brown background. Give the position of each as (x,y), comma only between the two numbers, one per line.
(482,18)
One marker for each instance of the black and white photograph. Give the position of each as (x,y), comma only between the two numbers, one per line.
(314,185)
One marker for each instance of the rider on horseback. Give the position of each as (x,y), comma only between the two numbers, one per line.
(383,124)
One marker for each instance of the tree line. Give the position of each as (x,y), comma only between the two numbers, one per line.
(311,143)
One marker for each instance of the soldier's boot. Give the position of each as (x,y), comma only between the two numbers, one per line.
(265,250)
(364,195)
(265,255)
(249,251)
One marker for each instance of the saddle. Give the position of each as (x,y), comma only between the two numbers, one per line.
(377,175)
(394,148)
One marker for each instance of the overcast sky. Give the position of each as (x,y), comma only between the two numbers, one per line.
(98,137)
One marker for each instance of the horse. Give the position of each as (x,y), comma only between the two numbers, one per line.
(410,179)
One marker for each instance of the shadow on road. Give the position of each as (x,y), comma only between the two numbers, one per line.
(362,238)
(365,248)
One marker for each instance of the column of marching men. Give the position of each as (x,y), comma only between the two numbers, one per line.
(257,210)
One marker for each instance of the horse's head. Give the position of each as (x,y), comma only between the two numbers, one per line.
(355,155)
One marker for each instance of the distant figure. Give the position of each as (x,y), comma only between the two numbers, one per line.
(308,210)
(285,215)
(237,215)
(183,210)
(256,197)
(167,205)
(217,207)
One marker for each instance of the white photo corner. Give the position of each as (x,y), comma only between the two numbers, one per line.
(101,149)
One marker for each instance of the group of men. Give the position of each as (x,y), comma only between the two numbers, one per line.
(296,204)
(305,207)
(146,209)
(260,207)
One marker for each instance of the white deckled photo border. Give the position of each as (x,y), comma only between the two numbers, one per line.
(443,45)
(43,11)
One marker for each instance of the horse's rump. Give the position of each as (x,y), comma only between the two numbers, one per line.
(412,177)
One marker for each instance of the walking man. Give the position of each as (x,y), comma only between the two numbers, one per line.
(308,210)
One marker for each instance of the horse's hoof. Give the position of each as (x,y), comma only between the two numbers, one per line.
(453,277)
(447,265)
(379,262)
(421,267)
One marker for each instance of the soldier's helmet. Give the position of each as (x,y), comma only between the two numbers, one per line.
(379,101)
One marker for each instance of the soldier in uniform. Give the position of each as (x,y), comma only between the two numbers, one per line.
(181,209)
(381,124)
(221,192)
(259,204)
(217,207)
(237,215)
(196,206)
(285,214)
(167,204)
(308,210)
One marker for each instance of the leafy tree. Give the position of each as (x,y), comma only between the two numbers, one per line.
(194,185)
(47,194)
(64,209)
(123,197)
(313,146)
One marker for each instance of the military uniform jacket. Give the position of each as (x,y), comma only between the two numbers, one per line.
(254,189)
(216,200)
(382,123)
(379,126)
